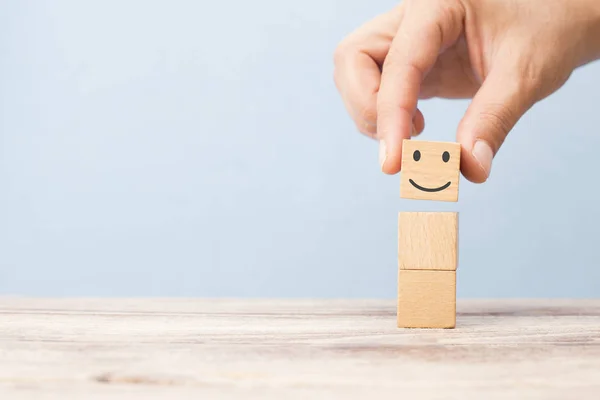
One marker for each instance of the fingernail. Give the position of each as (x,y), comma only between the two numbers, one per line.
(484,155)
(382,153)
(414,131)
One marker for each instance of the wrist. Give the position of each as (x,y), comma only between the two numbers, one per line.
(592,34)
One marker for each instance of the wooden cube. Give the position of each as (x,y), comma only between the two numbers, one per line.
(426,299)
(430,170)
(428,240)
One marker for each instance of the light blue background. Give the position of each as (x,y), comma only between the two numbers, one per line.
(195,148)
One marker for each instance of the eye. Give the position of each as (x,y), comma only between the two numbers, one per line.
(446,156)
(417,155)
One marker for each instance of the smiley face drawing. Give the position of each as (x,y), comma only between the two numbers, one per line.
(430,170)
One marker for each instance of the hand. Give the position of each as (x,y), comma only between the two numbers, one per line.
(505,54)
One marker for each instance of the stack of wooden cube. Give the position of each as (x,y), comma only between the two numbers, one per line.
(428,241)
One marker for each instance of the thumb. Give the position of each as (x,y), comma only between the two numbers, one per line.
(501,101)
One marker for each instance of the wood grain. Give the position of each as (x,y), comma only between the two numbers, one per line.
(294,349)
(428,240)
(430,170)
(426,299)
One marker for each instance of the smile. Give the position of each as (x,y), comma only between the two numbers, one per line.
(428,189)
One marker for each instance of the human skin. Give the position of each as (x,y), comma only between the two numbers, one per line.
(504,54)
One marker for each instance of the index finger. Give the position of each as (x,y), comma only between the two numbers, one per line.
(427,27)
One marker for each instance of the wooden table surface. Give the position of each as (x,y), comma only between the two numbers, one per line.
(294,349)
